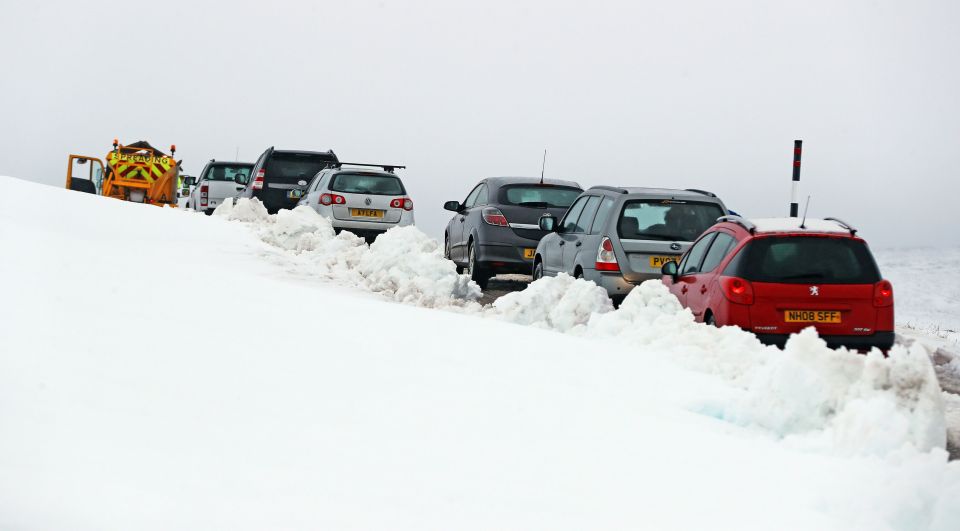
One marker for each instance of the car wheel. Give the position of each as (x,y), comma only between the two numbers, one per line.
(447,255)
(710,321)
(578,273)
(538,271)
(477,274)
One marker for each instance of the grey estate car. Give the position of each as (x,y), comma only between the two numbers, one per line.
(495,230)
(620,237)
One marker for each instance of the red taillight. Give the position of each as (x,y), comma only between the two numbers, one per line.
(883,293)
(493,216)
(606,258)
(737,290)
(204,190)
(258,180)
(404,203)
(332,199)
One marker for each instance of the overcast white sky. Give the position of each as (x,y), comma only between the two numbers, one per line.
(680,94)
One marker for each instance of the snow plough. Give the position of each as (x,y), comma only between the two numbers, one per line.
(136,172)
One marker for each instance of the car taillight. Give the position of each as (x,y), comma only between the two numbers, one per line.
(493,216)
(204,191)
(401,202)
(737,290)
(258,180)
(606,258)
(883,294)
(332,199)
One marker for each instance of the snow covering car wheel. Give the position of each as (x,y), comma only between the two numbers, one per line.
(710,321)
(477,273)
(538,271)
(446,254)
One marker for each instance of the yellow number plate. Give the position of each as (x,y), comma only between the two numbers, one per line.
(811,316)
(366,213)
(529,253)
(658,261)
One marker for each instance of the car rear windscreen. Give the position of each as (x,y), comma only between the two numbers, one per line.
(805,259)
(224,172)
(539,196)
(296,166)
(666,219)
(366,183)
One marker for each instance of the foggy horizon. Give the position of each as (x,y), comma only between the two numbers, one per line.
(698,95)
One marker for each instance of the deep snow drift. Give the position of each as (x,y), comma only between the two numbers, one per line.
(160,369)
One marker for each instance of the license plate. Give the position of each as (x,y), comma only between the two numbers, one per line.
(294,194)
(812,316)
(366,213)
(657,262)
(529,253)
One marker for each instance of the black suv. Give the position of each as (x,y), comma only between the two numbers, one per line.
(496,227)
(279,178)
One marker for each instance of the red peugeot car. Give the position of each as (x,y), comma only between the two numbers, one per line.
(775,277)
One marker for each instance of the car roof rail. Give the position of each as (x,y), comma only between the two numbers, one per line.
(844,224)
(609,189)
(704,192)
(751,228)
(386,167)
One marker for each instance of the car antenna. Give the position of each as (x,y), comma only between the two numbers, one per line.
(236,157)
(543,165)
(805,208)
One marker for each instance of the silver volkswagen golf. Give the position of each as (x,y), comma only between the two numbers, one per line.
(360,200)
(620,237)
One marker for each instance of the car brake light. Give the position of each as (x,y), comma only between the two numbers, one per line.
(332,199)
(402,202)
(204,190)
(606,258)
(883,293)
(258,180)
(493,216)
(737,290)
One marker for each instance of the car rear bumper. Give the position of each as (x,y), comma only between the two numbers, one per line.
(880,340)
(613,281)
(506,258)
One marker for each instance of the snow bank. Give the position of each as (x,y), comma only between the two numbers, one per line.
(408,266)
(403,264)
(560,303)
(815,397)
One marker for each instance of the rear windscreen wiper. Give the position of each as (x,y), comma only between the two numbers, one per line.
(534,204)
(805,275)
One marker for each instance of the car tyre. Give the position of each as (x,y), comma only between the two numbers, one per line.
(538,271)
(477,273)
(710,321)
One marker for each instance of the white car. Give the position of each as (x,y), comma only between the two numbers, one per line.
(363,201)
(218,181)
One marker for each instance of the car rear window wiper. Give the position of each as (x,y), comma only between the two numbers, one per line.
(534,204)
(804,275)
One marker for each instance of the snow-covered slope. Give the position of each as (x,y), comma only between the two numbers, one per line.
(125,405)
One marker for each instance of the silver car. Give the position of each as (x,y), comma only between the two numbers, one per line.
(360,200)
(620,237)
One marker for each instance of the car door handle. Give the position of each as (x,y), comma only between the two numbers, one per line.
(683,289)
(703,289)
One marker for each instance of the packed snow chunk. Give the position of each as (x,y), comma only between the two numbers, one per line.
(559,303)
(245,209)
(300,229)
(408,266)
(846,402)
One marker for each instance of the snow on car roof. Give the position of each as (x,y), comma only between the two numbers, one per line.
(793,224)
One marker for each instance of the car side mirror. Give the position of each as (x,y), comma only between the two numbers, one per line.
(669,269)
(190,181)
(548,222)
(453,206)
